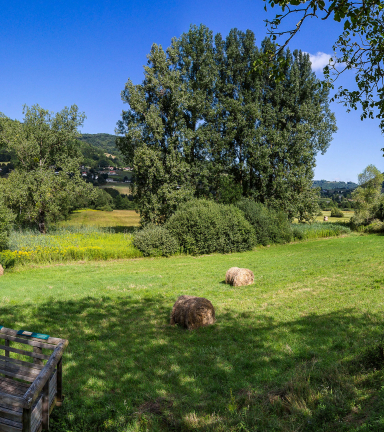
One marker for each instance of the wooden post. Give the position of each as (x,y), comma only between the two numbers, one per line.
(27,419)
(59,382)
(45,413)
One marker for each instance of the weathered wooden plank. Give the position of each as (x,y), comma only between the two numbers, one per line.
(26,353)
(13,387)
(17,401)
(14,374)
(45,412)
(53,405)
(10,414)
(50,340)
(27,420)
(9,425)
(32,341)
(21,363)
(59,382)
(13,367)
(45,374)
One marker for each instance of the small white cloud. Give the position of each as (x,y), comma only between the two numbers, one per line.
(319,60)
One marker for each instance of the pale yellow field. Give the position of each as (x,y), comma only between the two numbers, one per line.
(115,218)
(346,218)
(123,188)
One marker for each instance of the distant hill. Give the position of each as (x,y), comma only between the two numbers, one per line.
(103,141)
(328,185)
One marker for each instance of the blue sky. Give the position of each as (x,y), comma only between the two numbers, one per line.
(65,52)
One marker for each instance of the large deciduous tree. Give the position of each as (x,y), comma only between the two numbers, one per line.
(46,182)
(359,47)
(203,122)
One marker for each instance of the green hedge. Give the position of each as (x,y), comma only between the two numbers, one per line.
(7,259)
(202,227)
(270,226)
(154,240)
(335,212)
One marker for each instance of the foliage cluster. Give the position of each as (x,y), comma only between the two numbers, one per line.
(204,124)
(202,226)
(155,240)
(7,258)
(337,213)
(6,222)
(369,201)
(271,226)
(46,184)
(358,47)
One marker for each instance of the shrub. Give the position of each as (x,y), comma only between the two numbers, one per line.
(202,226)
(6,221)
(335,212)
(155,240)
(376,226)
(270,226)
(7,259)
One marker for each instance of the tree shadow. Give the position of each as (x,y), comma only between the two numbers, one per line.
(124,360)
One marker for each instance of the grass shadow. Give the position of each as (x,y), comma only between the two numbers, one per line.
(125,365)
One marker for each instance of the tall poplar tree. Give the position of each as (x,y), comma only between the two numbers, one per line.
(233,131)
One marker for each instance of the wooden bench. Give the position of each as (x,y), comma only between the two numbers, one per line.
(29,390)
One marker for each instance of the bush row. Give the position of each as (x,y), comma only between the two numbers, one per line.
(201,227)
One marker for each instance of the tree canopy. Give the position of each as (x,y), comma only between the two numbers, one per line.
(359,47)
(368,196)
(205,123)
(46,183)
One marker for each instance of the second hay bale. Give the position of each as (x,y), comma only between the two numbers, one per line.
(192,312)
(236,276)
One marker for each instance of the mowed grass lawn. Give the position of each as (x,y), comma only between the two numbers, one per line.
(296,351)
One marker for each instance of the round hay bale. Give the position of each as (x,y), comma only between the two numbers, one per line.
(192,312)
(230,274)
(239,276)
(1,270)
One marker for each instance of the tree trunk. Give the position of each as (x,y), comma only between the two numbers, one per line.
(42,228)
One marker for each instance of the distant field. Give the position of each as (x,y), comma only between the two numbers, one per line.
(115,218)
(346,218)
(121,187)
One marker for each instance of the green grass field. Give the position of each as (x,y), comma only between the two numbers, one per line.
(296,351)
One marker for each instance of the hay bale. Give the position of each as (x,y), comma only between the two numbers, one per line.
(192,312)
(1,270)
(239,276)
(230,274)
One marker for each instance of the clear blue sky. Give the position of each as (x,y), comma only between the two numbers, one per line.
(58,53)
